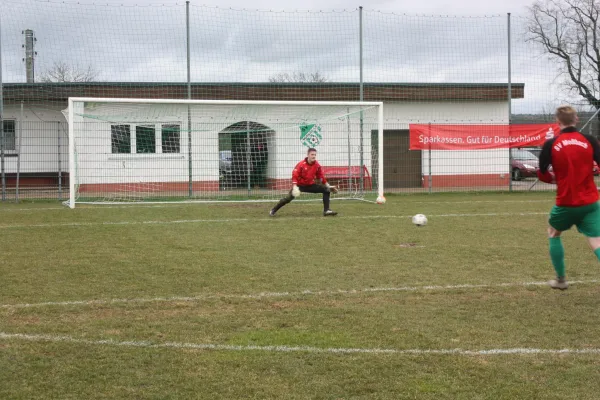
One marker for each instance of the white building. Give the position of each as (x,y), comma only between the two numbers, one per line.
(152,150)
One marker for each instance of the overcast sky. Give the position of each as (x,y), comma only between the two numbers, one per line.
(252,40)
(430,7)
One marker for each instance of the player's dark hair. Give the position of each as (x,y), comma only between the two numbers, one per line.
(311,149)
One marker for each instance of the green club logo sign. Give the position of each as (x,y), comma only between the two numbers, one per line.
(310,135)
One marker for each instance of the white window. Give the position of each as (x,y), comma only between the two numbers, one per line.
(145,140)
(9,130)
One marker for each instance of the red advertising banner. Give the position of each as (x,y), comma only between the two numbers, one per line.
(479,137)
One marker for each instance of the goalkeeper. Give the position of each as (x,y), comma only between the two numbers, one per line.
(303,180)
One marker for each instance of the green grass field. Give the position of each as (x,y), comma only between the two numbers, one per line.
(197,301)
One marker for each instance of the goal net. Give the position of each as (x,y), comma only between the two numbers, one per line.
(137,150)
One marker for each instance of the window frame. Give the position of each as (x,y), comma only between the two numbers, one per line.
(14,135)
(113,128)
(164,128)
(160,129)
(142,142)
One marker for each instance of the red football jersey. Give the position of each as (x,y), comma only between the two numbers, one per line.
(572,155)
(304,174)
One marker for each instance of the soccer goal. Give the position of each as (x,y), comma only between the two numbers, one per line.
(148,150)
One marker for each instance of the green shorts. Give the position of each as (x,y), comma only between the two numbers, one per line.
(585,218)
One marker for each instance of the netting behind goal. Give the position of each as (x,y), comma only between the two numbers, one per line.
(176,150)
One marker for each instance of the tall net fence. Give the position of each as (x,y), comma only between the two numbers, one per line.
(462,71)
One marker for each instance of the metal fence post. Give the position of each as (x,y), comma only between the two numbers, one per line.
(59,162)
(430,180)
(361,98)
(510,179)
(2,124)
(19,154)
(189,96)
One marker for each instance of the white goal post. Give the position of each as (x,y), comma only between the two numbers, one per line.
(164,150)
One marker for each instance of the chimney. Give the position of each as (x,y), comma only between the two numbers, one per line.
(29,55)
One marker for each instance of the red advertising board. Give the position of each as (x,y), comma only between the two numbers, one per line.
(479,137)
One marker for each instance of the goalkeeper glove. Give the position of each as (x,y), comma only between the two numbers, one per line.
(295,191)
(332,189)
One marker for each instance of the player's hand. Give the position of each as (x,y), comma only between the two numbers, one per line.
(547,177)
(332,189)
(295,191)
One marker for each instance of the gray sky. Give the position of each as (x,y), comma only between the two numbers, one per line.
(145,41)
(430,7)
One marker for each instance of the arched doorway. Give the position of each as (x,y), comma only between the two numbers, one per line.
(244,155)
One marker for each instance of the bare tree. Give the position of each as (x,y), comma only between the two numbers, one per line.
(63,72)
(315,77)
(568,31)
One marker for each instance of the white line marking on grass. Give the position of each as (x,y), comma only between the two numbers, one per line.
(280,294)
(187,204)
(233,220)
(549,200)
(291,349)
(76,224)
(103,207)
(32,209)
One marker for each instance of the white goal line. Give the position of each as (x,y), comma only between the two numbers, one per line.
(293,349)
(264,295)
(261,219)
(187,204)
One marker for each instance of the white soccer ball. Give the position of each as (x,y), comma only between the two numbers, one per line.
(419,220)
(380,200)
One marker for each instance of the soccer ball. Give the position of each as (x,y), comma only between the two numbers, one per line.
(380,200)
(419,220)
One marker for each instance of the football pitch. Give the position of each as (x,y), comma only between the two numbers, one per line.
(199,301)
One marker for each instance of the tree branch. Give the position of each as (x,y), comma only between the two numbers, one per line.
(567,30)
(63,72)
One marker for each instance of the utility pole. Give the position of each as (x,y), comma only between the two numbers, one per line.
(30,54)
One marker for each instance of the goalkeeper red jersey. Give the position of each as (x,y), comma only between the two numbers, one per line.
(304,174)
(572,155)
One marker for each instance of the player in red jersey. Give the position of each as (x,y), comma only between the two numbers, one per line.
(571,155)
(303,180)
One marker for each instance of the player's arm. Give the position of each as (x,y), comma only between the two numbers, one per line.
(545,161)
(595,146)
(296,174)
(295,177)
(546,156)
(320,175)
